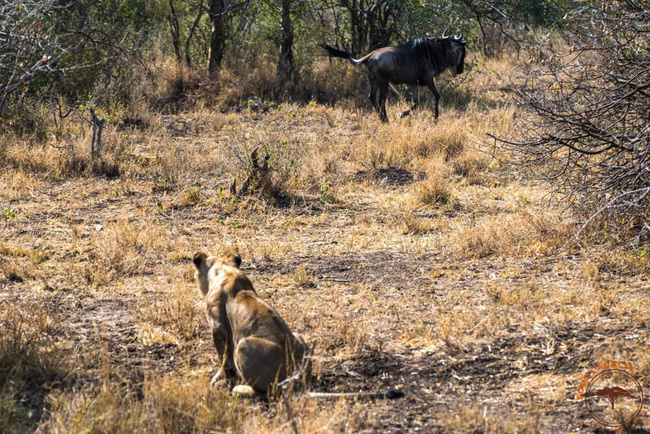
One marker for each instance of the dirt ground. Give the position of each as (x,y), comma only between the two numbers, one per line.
(467,298)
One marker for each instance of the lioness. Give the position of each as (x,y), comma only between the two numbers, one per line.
(252,340)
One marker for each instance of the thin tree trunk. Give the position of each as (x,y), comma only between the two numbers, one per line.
(175,29)
(217,35)
(285,64)
(188,58)
(483,37)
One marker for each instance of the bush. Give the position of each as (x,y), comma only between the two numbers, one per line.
(269,168)
(589,127)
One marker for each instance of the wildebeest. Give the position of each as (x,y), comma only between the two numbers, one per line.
(415,63)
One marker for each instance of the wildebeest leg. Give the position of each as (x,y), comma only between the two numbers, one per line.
(432,87)
(414,102)
(381,100)
(373,94)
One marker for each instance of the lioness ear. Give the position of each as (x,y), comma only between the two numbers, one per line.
(199,259)
(233,261)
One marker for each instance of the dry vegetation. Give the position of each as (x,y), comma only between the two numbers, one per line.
(415,255)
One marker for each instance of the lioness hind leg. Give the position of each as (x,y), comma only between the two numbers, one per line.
(301,354)
(260,363)
(300,348)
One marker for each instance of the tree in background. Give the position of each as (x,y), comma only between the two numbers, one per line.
(180,13)
(285,64)
(52,50)
(361,25)
(218,19)
(30,46)
(507,21)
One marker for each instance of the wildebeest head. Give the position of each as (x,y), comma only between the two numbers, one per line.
(456,53)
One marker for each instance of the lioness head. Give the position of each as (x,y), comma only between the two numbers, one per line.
(206,264)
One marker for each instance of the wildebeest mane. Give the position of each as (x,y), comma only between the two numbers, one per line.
(431,54)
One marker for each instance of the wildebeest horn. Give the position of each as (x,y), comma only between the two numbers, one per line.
(459,37)
(443,34)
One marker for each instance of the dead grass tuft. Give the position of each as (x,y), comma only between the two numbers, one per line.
(469,165)
(10,271)
(124,249)
(192,195)
(18,185)
(303,279)
(523,232)
(466,420)
(167,404)
(434,191)
(400,145)
(413,225)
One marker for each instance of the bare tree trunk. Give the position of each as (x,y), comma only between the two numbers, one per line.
(188,58)
(483,36)
(218,34)
(175,29)
(285,64)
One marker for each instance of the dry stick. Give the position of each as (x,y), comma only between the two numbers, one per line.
(289,412)
(296,376)
(487,426)
(389,394)
(98,125)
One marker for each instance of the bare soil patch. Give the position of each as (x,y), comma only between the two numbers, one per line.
(389,176)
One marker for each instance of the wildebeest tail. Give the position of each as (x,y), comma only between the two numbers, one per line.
(334,52)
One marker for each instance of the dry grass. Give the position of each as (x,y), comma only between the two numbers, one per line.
(176,317)
(470,165)
(522,232)
(124,249)
(415,255)
(30,365)
(166,405)
(434,191)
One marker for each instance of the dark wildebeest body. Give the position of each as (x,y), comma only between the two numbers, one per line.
(415,63)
